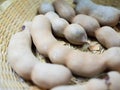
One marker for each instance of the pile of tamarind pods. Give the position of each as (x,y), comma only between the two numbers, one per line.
(76,25)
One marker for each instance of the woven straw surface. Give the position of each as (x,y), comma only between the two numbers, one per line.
(12,15)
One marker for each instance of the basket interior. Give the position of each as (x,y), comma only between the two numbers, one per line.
(11,19)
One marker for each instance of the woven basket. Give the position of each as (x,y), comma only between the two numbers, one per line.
(12,15)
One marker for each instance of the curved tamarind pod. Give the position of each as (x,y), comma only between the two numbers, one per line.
(74,33)
(25,64)
(64,9)
(108,37)
(40,27)
(106,15)
(80,63)
(19,53)
(89,23)
(111,82)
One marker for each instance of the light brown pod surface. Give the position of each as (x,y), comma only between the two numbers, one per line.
(114,80)
(58,53)
(108,37)
(75,34)
(81,63)
(106,15)
(110,82)
(90,24)
(20,54)
(112,58)
(64,9)
(84,6)
(45,7)
(48,76)
(51,15)
(41,26)
(59,25)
